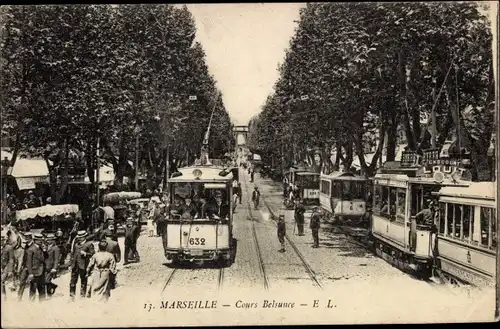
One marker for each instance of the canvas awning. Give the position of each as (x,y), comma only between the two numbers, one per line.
(27,172)
(47,210)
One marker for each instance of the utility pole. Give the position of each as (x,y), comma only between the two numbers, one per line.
(497,164)
(136,183)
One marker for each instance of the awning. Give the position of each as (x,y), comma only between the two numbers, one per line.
(109,213)
(48,210)
(117,196)
(27,172)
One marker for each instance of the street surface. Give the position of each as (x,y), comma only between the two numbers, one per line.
(343,272)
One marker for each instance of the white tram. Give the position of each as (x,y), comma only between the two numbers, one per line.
(466,239)
(206,237)
(344,195)
(401,190)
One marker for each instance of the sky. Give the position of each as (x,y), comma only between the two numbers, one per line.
(244,44)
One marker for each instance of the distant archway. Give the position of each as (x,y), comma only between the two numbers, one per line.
(240,134)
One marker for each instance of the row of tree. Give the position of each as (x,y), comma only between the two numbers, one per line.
(78,77)
(355,71)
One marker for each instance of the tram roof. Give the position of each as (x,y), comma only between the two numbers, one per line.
(304,173)
(208,174)
(342,175)
(483,190)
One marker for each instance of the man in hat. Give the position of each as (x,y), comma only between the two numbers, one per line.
(256,197)
(114,248)
(425,216)
(155,214)
(314,225)
(51,263)
(80,257)
(219,209)
(7,263)
(281,232)
(131,236)
(299,216)
(35,263)
(22,268)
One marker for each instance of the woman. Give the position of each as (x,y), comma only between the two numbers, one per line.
(101,265)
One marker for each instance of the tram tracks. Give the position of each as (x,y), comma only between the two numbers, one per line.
(174,273)
(310,272)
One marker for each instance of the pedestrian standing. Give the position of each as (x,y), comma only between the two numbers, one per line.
(7,263)
(252,176)
(281,232)
(256,197)
(240,192)
(35,264)
(131,237)
(52,259)
(299,216)
(80,257)
(101,267)
(314,225)
(114,248)
(22,269)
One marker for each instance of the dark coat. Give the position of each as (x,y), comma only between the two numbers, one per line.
(53,257)
(7,258)
(35,260)
(82,261)
(114,248)
(255,195)
(299,213)
(315,222)
(281,229)
(222,211)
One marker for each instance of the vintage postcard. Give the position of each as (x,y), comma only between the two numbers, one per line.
(249,164)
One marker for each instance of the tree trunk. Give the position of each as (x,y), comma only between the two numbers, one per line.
(403,102)
(392,139)
(64,179)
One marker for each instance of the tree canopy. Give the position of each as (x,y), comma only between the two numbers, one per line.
(78,73)
(358,73)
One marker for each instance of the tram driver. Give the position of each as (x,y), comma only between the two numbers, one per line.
(218,209)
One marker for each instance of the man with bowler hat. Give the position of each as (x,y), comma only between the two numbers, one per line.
(35,264)
(80,257)
(22,269)
(53,254)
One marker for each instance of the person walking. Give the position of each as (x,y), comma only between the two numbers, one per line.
(314,225)
(131,237)
(240,192)
(22,269)
(35,264)
(101,267)
(256,197)
(52,260)
(281,232)
(114,248)
(299,216)
(7,264)
(82,251)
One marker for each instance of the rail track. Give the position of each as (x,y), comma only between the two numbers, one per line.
(305,264)
(170,279)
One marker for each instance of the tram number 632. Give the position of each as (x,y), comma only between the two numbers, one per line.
(197,241)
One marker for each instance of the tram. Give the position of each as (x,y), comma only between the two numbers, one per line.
(206,237)
(401,191)
(306,183)
(466,238)
(344,195)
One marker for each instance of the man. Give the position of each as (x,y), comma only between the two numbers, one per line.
(251,176)
(281,232)
(82,251)
(131,237)
(240,192)
(155,214)
(190,209)
(35,264)
(109,229)
(426,216)
(51,263)
(299,216)
(256,197)
(314,225)
(177,209)
(7,263)
(22,270)
(199,206)
(219,210)
(114,248)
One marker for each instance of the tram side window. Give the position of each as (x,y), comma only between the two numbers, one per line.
(392,201)
(385,200)
(442,213)
(336,190)
(488,227)
(468,213)
(325,187)
(347,189)
(401,202)
(377,200)
(449,219)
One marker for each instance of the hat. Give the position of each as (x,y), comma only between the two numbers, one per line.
(38,236)
(81,234)
(50,236)
(256,188)
(27,235)
(67,216)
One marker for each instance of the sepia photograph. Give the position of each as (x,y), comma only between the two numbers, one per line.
(249,164)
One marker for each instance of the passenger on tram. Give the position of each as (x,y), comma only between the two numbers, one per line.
(219,209)
(426,216)
(189,209)
(177,209)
